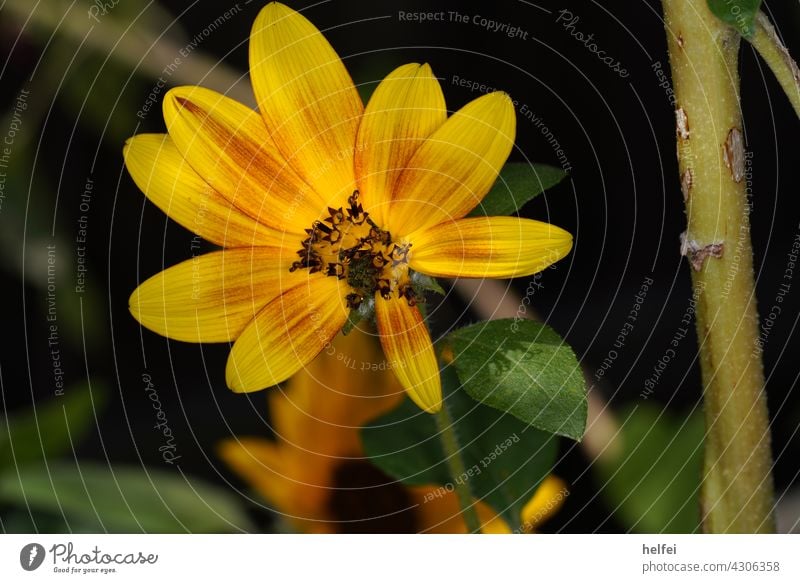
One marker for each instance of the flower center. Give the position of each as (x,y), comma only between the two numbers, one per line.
(350,246)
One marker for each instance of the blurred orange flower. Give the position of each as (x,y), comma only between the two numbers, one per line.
(315,474)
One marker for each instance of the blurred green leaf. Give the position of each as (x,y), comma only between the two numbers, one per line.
(423,283)
(86,93)
(651,471)
(505,459)
(51,427)
(518,183)
(124,498)
(741,14)
(80,316)
(526,369)
(20,521)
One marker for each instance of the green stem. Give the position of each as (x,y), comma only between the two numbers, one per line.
(769,46)
(737,492)
(455,464)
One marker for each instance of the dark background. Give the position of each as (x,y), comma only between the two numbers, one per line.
(622,201)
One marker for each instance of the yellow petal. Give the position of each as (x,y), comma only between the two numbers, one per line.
(212,297)
(161,172)
(317,417)
(491,523)
(267,467)
(498,247)
(455,167)
(406,107)
(287,334)
(546,501)
(228,145)
(307,99)
(325,403)
(409,351)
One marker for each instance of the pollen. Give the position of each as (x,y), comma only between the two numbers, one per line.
(350,246)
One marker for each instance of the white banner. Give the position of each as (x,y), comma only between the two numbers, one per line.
(390,558)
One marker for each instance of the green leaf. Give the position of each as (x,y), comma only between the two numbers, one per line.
(526,369)
(365,311)
(505,459)
(741,14)
(52,427)
(353,318)
(517,184)
(123,498)
(423,283)
(651,471)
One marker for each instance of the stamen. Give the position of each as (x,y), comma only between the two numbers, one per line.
(336,269)
(400,254)
(378,260)
(407,291)
(320,226)
(354,300)
(333,237)
(385,288)
(336,218)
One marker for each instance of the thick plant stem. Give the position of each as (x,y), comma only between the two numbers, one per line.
(737,491)
(457,469)
(769,46)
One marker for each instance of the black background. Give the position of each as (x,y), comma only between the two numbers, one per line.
(622,201)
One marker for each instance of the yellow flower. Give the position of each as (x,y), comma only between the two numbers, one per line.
(322,205)
(546,501)
(315,473)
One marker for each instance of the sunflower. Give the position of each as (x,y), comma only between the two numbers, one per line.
(315,474)
(324,208)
